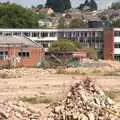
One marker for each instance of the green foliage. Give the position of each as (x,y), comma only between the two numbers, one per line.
(116,23)
(77,23)
(15,16)
(92,5)
(63,46)
(59,5)
(61,23)
(92,53)
(115,5)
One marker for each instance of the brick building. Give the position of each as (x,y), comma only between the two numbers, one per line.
(105,40)
(19,51)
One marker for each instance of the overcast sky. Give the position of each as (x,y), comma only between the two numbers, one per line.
(27,3)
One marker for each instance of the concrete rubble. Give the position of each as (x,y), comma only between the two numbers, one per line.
(85,101)
(17,111)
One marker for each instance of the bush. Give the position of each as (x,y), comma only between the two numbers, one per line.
(92,53)
(63,46)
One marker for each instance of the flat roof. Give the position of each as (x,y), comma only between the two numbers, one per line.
(50,30)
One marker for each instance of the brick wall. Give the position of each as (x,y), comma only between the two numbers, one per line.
(108,44)
(35,56)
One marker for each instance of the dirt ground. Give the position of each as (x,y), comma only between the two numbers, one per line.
(40,90)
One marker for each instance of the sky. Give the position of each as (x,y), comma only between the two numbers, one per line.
(102,4)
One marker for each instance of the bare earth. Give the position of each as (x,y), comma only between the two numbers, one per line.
(47,88)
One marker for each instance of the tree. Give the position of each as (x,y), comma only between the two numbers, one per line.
(77,23)
(92,53)
(67,4)
(92,5)
(116,23)
(61,23)
(63,46)
(59,5)
(115,5)
(16,16)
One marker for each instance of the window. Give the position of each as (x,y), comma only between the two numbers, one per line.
(117,45)
(1,33)
(7,34)
(27,34)
(35,34)
(117,57)
(116,33)
(17,33)
(44,34)
(3,55)
(24,54)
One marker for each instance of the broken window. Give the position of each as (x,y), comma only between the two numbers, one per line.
(24,54)
(3,55)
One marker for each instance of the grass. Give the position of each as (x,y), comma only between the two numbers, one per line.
(112,73)
(61,71)
(113,94)
(85,73)
(36,99)
(42,99)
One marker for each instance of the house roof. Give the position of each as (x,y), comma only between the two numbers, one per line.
(16,41)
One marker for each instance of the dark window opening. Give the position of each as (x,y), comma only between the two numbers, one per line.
(117,33)
(117,57)
(24,54)
(117,45)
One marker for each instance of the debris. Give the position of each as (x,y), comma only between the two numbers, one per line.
(85,101)
(16,111)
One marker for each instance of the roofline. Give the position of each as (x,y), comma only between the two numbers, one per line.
(49,30)
(33,41)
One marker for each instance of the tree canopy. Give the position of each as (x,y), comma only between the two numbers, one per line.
(116,23)
(77,23)
(59,5)
(63,46)
(115,5)
(88,5)
(16,16)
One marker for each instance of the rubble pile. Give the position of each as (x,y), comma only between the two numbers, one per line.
(85,101)
(15,111)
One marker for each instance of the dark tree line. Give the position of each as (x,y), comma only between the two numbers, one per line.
(59,5)
(91,5)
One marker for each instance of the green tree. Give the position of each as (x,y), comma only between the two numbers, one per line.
(92,53)
(59,5)
(63,46)
(16,16)
(77,23)
(92,5)
(67,4)
(115,5)
(61,23)
(116,23)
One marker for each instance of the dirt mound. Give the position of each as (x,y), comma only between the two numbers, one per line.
(17,111)
(85,101)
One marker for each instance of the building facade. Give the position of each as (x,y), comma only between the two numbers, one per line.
(106,41)
(19,52)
